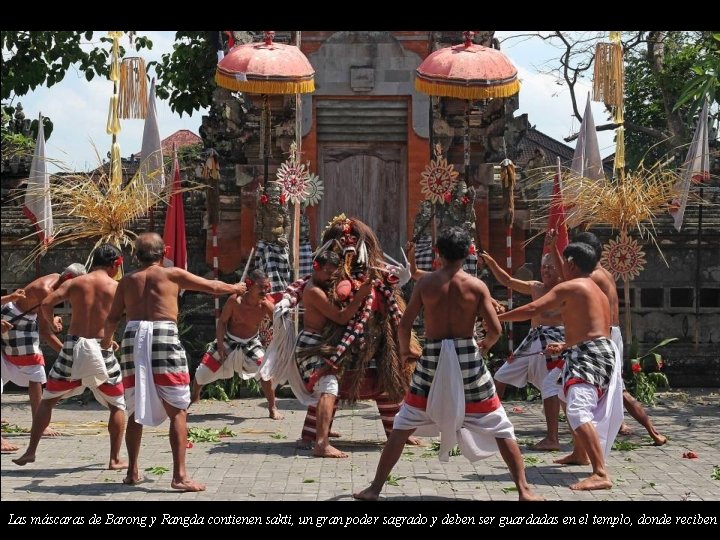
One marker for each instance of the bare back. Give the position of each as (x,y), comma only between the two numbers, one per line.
(246,317)
(36,292)
(91,297)
(452,302)
(585,310)
(150,294)
(605,281)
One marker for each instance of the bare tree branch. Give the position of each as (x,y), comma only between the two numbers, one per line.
(630,127)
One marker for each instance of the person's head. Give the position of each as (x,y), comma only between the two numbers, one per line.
(324,266)
(548,270)
(258,284)
(149,248)
(72,271)
(590,239)
(580,257)
(453,244)
(106,256)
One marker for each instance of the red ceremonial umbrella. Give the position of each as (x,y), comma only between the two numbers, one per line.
(266,68)
(471,72)
(270,68)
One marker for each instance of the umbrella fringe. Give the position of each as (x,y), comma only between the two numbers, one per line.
(462,91)
(264,86)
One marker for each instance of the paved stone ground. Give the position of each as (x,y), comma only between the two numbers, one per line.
(261,462)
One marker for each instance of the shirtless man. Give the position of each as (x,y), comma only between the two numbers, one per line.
(152,354)
(606,282)
(22,359)
(591,375)
(238,337)
(81,363)
(320,377)
(452,300)
(528,362)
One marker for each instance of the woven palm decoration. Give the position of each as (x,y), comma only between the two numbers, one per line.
(438,178)
(133,88)
(608,87)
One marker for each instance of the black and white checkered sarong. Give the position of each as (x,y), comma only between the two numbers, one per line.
(274,260)
(545,334)
(306,259)
(477,381)
(23,339)
(424,254)
(308,365)
(589,362)
(251,347)
(62,368)
(169,363)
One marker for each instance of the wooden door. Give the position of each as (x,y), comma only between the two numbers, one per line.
(366,180)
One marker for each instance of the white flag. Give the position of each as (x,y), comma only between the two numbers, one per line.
(151,169)
(586,160)
(586,164)
(37,205)
(696,168)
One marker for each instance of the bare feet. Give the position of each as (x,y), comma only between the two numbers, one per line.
(593,481)
(530,496)
(546,444)
(25,459)
(334,434)
(49,432)
(328,452)
(625,429)
(8,447)
(187,485)
(117,465)
(658,439)
(573,459)
(275,414)
(132,479)
(413,441)
(304,444)
(367,494)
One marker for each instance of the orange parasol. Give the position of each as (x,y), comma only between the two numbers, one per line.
(266,68)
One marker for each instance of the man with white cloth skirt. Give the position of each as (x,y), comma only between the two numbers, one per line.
(81,363)
(237,347)
(22,361)
(528,362)
(451,390)
(154,366)
(592,386)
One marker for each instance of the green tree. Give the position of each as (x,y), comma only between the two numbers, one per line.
(31,58)
(188,90)
(667,75)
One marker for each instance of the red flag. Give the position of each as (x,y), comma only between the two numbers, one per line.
(174,234)
(557,216)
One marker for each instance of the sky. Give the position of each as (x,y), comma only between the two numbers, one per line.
(78,108)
